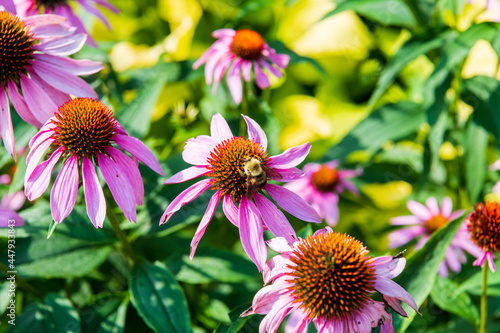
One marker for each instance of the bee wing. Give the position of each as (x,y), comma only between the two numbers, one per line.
(273,174)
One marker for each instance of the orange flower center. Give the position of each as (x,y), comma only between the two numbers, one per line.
(85,127)
(435,223)
(247,44)
(16,44)
(231,170)
(484,226)
(332,276)
(325,179)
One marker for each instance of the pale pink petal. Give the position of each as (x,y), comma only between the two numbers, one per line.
(131,171)
(72,66)
(21,106)
(405,220)
(75,21)
(456,214)
(251,232)
(97,13)
(391,290)
(491,263)
(94,196)
(220,70)
(264,299)
(255,132)
(204,57)
(65,190)
(7,215)
(288,174)
(419,210)
(292,203)
(52,30)
(230,210)
(56,95)
(260,77)
(14,201)
(223,33)
(246,70)
(274,219)
(496,188)
(221,53)
(6,130)
(291,157)
(281,60)
(433,206)
(139,150)
(197,150)
(403,236)
(330,208)
(276,267)
(273,319)
(279,244)
(185,197)
(187,174)
(219,129)
(389,266)
(495,166)
(37,21)
(119,185)
(452,260)
(234,81)
(39,103)
(209,213)
(274,70)
(39,179)
(63,46)
(35,155)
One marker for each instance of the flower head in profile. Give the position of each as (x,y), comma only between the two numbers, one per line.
(237,51)
(63,8)
(427,219)
(10,204)
(321,187)
(328,279)
(237,171)
(36,76)
(82,133)
(483,225)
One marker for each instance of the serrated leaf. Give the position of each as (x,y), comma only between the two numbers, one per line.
(158,298)
(421,270)
(445,293)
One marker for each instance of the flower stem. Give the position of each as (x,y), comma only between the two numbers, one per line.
(244,108)
(20,281)
(126,247)
(484,299)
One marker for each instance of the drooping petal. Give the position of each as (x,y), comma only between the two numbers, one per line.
(446,207)
(391,292)
(255,132)
(209,213)
(63,46)
(40,105)
(6,129)
(246,69)
(251,232)
(276,266)
(39,179)
(185,197)
(21,106)
(94,196)
(219,71)
(278,312)
(72,66)
(230,210)
(130,169)
(275,219)
(138,149)
(219,129)
(35,155)
(281,60)
(288,174)
(260,77)
(389,266)
(404,235)
(292,203)
(234,81)
(7,215)
(197,150)
(187,174)
(65,190)
(291,157)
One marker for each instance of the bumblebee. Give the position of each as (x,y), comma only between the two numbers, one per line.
(257,174)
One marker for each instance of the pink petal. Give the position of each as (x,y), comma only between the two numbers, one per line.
(14,201)
(185,197)
(403,236)
(138,149)
(456,214)
(419,210)
(187,174)
(52,30)
(288,174)
(209,213)
(246,69)
(234,81)
(292,203)
(446,207)
(273,319)
(275,71)
(219,129)
(72,66)
(230,210)
(221,53)
(130,169)
(220,70)
(389,266)
(223,33)
(432,205)
(291,157)
(255,132)
(119,185)
(276,267)
(39,179)
(57,96)
(41,106)
(260,77)
(65,190)
(197,150)
(94,196)
(275,219)
(281,60)
(495,166)
(7,215)
(265,298)
(204,57)
(96,12)
(37,21)
(35,155)
(405,220)
(21,107)
(279,244)
(251,233)
(330,208)
(6,130)
(390,289)
(62,46)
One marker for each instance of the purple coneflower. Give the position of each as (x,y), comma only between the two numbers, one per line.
(321,187)
(237,171)
(81,133)
(328,279)
(62,8)
(238,51)
(483,224)
(35,73)
(424,222)
(9,204)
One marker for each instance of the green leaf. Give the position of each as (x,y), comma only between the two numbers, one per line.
(421,270)
(424,9)
(476,141)
(445,293)
(26,322)
(158,298)
(387,123)
(294,57)
(56,314)
(107,315)
(237,322)
(474,284)
(386,12)
(4,296)
(211,265)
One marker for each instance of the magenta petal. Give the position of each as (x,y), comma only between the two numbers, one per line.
(389,288)
(65,190)
(185,197)
(62,46)
(389,266)
(273,319)
(281,60)
(35,155)
(197,150)
(21,107)
(72,66)
(138,149)
(6,130)
(209,213)
(291,157)
(129,168)
(219,129)
(187,174)
(94,196)
(260,77)
(230,210)
(252,233)
(39,179)
(7,215)
(292,203)
(275,219)
(276,267)
(234,81)
(119,185)
(41,106)
(246,69)
(255,132)
(223,33)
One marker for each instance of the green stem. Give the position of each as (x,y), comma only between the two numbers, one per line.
(484,299)
(126,247)
(20,281)
(244,108)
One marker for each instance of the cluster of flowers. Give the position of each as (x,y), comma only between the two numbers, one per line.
(327,278)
